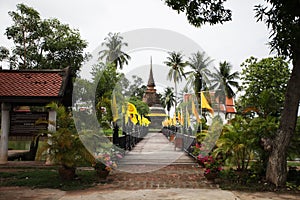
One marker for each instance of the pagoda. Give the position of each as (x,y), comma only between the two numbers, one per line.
(151,98)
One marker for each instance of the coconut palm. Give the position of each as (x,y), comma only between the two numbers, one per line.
(176,72)
(113,53)
(198,76)
(223,80)
(168,99)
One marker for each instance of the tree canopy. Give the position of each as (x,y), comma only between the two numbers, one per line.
(43,43)
(264,84)
(200,12)
(113,53)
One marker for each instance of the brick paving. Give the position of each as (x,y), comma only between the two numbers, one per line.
(171,176)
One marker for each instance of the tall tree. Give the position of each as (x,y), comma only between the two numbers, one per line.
(43,44)
(283,19)
(176,63)
(223,81)
(264,83)
(113,52)
(198,76)
(168,99)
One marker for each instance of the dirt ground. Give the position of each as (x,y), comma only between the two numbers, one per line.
(20,193)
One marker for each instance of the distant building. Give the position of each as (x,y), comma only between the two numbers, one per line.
(151,98)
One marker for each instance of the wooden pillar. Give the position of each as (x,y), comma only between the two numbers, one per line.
(5,123)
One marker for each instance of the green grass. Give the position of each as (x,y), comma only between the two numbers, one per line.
(293,164)
(47,178)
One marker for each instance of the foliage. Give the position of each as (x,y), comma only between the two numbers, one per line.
(4,54)
(83,90)
(114,54)
(223,80)
(211,164)
(64,145)
(142,107)
(176,64)
(104,112)
(105,78)
(264,83)
(168,99)
(293,150)
(236,143)
(283,18)
(43,44)
(106,160)
(201,12)
(134,88)
(198,77)
(104,153)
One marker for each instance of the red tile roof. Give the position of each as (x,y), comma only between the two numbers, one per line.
(46,83)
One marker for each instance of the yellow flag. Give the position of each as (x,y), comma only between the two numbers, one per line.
(114,108)
(182,118)
(145,121)
(205,104)
(133,119)
(179,117)
(174,119)
(140,119)
(188,118)
(131,108)
(195,112)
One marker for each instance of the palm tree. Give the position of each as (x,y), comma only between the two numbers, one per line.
(176,64)
(168,99)
(198,76)
(114,54)
(223,81)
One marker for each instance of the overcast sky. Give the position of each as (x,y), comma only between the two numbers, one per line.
(233,41)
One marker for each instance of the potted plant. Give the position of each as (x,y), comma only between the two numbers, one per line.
(105,161)
(64,146)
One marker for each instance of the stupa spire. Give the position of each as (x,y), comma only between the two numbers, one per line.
(151,82)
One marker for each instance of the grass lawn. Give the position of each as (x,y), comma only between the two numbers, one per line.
(47,178)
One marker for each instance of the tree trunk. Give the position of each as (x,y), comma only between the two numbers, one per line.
(277,166)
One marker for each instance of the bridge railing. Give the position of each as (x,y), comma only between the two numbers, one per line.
(184,141)
(132,134)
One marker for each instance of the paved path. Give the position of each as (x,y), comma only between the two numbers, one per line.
(152,153)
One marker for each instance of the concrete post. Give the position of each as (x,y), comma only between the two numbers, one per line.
(52,128)
(5,123)
(52,120)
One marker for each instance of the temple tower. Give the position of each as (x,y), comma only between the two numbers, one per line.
(157,112)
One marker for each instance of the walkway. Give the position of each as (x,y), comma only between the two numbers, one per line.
(152,153)
(155,164)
